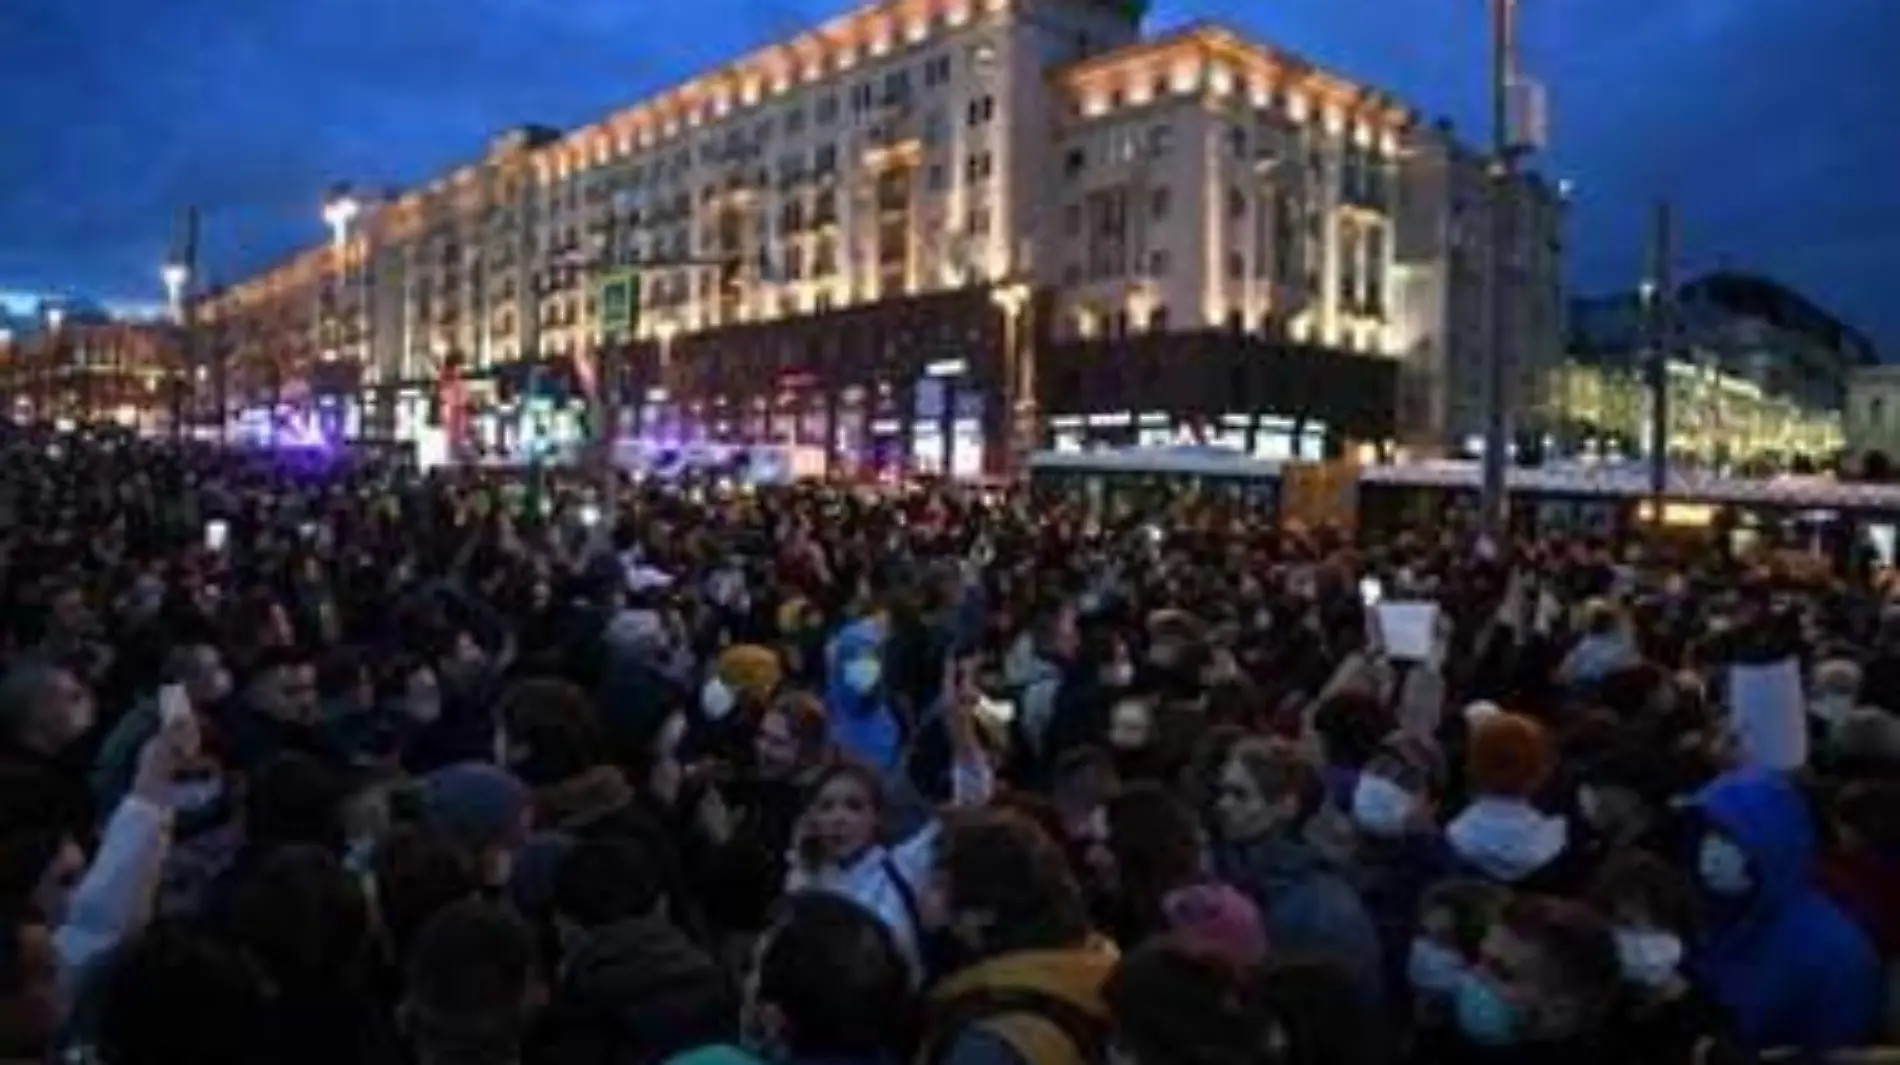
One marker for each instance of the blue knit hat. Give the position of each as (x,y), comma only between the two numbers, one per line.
(474,803)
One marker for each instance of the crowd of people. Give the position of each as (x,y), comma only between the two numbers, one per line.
(321,760)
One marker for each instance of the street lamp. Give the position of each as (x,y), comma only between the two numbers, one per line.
(339,213)
(176,276)
(1019,384)
(55,317)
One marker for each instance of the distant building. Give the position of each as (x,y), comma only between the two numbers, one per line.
(73,362)
(1443,282)
(1758,372)
(1873,414)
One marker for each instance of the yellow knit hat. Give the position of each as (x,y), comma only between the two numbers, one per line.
(750,670)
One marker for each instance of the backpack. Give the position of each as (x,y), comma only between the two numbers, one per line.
(1088,1033)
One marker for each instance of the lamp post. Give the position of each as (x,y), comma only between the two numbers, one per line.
(55,318)
(1019,370)
(1509,141)
(177,275)
(341,208)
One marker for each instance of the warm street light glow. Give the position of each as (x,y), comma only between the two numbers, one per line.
(55,317)
(1012,298)
(175,276)
(338,213)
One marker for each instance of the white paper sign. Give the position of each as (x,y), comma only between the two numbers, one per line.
(1409,630)
(1767,711)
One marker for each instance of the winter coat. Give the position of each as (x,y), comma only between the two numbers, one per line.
(1071,979)
(636,993)
(1787,963)
(1309,907)
(862,724)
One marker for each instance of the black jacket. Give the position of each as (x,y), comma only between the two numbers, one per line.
(636,993)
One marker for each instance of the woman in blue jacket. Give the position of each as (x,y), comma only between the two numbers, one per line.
(1790,967)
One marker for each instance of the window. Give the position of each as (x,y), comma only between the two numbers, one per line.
(896,86)
(861,96)
(1074,161)
(979,221)
(1158,263)
(936,127)
(937,177)
(1160,139)
(1237,141)
(826,110)
(825,159)
(1876,411)
(1072,219)
(936,71)
(979,167)
(982,109)
(1236,203)
(1236,266)
(1159,200)
(794,121)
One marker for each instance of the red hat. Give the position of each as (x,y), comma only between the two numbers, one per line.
(1509,756)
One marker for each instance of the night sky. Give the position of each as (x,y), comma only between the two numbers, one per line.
(1761,118)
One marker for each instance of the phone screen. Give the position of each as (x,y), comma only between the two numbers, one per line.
(1371,590)
(217,534)
(590,515)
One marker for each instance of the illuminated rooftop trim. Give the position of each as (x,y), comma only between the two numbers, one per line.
(1241,62)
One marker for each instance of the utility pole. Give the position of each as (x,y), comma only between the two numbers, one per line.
(188,315)
(1506,144)
(1659,312)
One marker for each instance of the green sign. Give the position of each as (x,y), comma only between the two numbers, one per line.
(619,303)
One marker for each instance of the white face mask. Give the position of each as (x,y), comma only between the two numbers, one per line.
(716,699)
(1433,968)
(1381,807)
(1129,726)
(1723,867)
(1649,957)
(862,674)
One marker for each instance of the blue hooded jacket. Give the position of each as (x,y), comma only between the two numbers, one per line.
(862,725)
(1791,968)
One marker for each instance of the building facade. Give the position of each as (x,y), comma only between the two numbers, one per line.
(907,234)
(1452,224)
(88,368)
(1758,373)
(1872,417)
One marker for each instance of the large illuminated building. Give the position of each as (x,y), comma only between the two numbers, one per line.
(1758,375)
(928,234)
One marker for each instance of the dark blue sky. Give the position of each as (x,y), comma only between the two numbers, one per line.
(1762,118)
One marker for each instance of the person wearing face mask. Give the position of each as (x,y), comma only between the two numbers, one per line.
(1397,850)
(1789,965)
(862,721)
(1454,917)
(1544,990)
(738,687)
(1662,1016)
